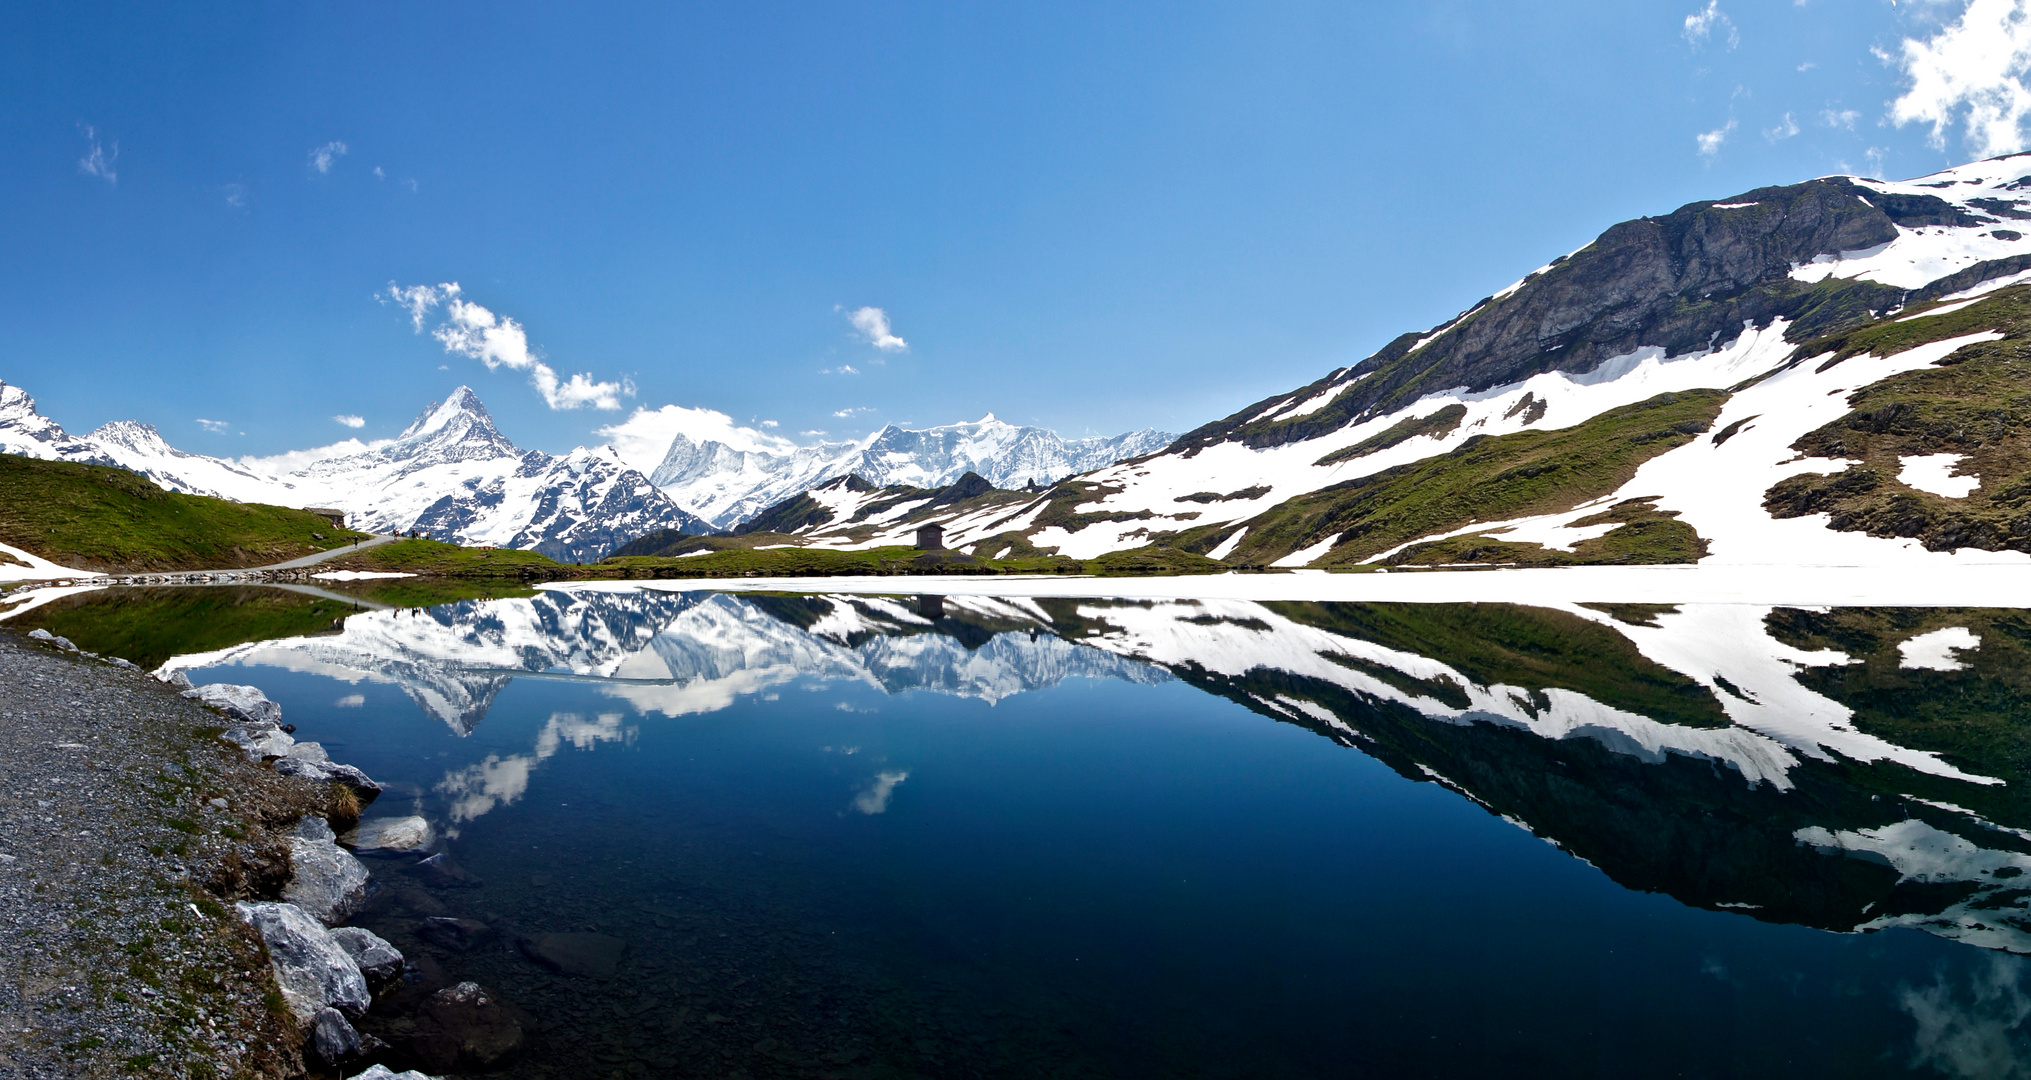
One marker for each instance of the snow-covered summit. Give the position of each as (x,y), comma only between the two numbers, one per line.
(726,485)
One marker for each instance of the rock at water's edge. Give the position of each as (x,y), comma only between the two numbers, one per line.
(379,961)
(310,967)
(246,704)
(327,772)
(333,1039)
(327,882)
(380,1072)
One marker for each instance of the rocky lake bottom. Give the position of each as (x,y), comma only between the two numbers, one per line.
(685,834)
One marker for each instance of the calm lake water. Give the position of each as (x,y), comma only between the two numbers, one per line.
(864,836)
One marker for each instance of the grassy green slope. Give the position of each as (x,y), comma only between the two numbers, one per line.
(95,517)
(1493,479)
(148,626)
(1976,404)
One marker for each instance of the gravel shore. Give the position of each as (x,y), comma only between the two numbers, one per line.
(126,830)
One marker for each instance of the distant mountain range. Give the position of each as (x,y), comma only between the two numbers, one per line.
(727,486)
(454,475)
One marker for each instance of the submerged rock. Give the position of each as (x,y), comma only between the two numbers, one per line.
(311,968)
(457,935)
(596,956)
(327,882)
(378,961)
(412,833)
(465,1027)
(440,871)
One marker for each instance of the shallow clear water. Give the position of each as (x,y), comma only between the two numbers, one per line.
(868,837)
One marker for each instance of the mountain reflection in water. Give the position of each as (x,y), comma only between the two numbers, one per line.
(1849,769)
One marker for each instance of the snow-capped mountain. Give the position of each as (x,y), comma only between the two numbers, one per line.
(1665,381)
(451,473)
(726,486)
(681,653)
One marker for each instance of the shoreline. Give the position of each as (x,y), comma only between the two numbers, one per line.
(170,891)
(118,877)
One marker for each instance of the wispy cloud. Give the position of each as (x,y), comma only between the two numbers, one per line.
(1785,129)
(1839,118)
(98,161)
(875,798)
(1710,141)
(1979,1031)
(848,414)
(843,369)
(378,174)
(498,341)
(1970,73)
(216,427)
(351,701)
(322,158)
(1701,24)
(350,420)
(873,325)
(235,195)
(772,423)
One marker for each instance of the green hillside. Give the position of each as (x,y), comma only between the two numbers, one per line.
(95,517)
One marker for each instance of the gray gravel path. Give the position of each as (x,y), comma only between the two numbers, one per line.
(119,955)
(334,553)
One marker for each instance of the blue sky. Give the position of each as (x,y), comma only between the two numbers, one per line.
(1093,217)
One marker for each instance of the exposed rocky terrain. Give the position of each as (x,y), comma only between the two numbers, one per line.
(128,830)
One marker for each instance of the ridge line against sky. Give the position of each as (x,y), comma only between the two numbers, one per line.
(240,223)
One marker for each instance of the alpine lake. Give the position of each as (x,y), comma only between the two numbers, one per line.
(923,836)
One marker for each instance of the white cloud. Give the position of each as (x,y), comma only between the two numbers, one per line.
(1979,1032)
(1808,65)
(1843,118)
(644,437)
(875,799)
(1970,73)
(236,194)
(772,423)
(97,162)
(873,324)
(417,299)
(843,369)
(811,433)
(848,414)
(1710,141)
(216,427)
(322,158)
(1701,24)
(498,341)
(350,420)
(378,174)
(1785,129)
(351,701)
